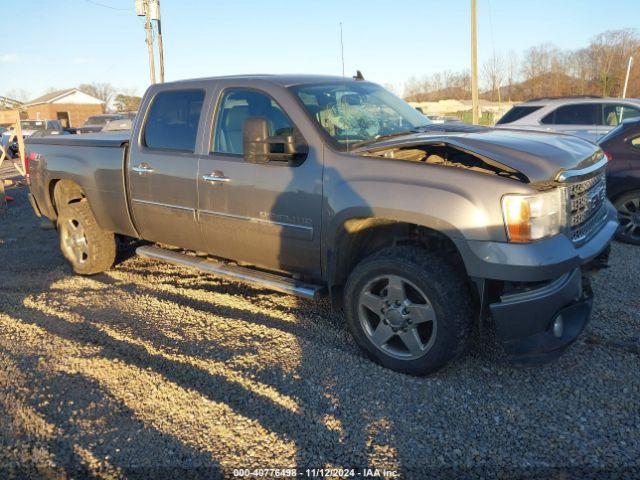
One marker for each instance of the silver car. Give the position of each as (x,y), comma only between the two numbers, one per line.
(586,117)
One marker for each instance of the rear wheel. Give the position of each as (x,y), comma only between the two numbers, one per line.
(408,309)
(87,247)
(628,207)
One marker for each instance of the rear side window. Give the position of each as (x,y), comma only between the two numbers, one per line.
(516,113)
(580,114)
(614,114)
(172,121)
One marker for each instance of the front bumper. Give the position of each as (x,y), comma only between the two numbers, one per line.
(543,260)
(538,325)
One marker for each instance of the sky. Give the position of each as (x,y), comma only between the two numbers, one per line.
(63,43)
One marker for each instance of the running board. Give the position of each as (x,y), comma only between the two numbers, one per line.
(235,272)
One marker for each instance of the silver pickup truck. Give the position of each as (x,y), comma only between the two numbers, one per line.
(315,185)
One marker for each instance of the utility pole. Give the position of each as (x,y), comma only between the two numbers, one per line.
(342,49)
(150,9)
(147,27)
(474,63)
(626,80)
(160,47)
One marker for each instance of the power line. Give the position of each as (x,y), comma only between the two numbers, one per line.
(97,4)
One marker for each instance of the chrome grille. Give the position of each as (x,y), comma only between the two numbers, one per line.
(587,208)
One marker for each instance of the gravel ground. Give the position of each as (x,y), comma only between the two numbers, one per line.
(155,370)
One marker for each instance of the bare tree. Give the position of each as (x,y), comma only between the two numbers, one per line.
(535,66)
(609,52)
(393,88)
(512,66)
(19,94)
(493,73)
(103,91)
(579,67)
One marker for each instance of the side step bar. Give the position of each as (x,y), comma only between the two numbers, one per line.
(235,272)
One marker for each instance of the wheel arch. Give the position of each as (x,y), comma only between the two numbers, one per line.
(360,236)
(63,192)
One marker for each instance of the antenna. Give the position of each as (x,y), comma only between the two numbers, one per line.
(342,49)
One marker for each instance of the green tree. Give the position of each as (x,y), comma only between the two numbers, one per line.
(127,103)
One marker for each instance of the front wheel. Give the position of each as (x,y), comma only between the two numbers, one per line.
(408,309)
(87,247)
(628,207)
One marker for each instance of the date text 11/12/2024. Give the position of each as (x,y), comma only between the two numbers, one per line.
(315,473)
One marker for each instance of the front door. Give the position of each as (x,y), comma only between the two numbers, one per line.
(162,171)
(266,215)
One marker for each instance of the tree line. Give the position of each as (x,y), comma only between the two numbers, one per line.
(122,100)
(543,71)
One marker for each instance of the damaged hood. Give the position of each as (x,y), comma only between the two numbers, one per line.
(540,156)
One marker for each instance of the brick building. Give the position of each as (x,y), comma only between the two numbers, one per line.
(72,107)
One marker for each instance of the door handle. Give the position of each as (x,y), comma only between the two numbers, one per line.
(142,169)
(216,177)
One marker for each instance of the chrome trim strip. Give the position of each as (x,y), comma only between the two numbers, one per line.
(159,204)
(255,220)
(583,172)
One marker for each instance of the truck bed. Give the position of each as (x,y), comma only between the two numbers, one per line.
(95,162)
(111,139)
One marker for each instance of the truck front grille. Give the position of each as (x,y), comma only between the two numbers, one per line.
(587,205)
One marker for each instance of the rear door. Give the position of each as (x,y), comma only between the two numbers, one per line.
(266,215)
(163,168)
(580,119)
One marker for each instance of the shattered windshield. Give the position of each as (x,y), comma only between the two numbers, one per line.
(357,113)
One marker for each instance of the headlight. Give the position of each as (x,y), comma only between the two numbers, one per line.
(532,217)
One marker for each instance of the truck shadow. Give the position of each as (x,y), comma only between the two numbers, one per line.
(67,401)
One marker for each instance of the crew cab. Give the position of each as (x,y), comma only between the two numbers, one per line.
(315,185)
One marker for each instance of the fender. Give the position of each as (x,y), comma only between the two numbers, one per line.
(428,196)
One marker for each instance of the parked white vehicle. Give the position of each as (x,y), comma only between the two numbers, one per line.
(586,117)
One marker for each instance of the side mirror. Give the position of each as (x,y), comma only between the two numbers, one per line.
(259,147)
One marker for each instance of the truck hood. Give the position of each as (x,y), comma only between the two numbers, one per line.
(539,156)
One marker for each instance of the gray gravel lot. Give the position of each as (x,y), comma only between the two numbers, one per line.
(155,370)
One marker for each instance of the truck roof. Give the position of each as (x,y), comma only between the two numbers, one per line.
(285,80)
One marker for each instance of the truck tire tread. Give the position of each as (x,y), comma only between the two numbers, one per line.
(448,291)
(102,244)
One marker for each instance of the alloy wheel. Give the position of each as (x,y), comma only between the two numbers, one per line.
(397,317)
(629,218)
(74,241)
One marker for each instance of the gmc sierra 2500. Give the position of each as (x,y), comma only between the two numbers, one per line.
(312,185)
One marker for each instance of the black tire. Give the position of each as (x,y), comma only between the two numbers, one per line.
(628,207)
(90,250)
(448,295)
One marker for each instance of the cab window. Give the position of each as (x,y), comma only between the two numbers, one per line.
(236,106)
(579,114)
(172,121)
